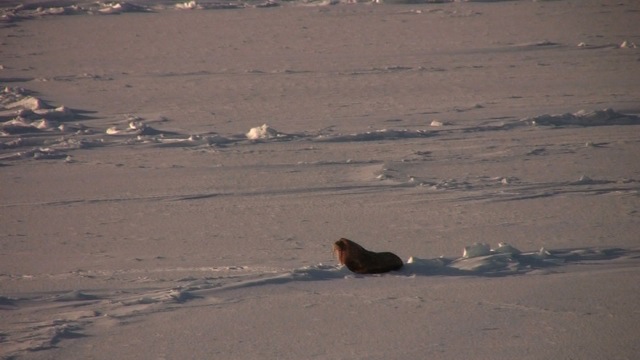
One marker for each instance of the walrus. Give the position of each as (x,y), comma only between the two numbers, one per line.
(362,261)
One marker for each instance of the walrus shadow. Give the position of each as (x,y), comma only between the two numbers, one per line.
(497,264)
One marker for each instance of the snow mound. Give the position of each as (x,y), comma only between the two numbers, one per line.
(384,134)
(584,118)
(264,132)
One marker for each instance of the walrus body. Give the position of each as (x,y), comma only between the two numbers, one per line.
(362,261)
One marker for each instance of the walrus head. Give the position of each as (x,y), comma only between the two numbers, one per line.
(344,248)
(362,261)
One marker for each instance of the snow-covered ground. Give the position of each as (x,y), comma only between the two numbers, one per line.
(173,179)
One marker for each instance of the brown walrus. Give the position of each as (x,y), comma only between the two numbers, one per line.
(362,261)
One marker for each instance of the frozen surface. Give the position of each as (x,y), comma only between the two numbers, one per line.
(173,176)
